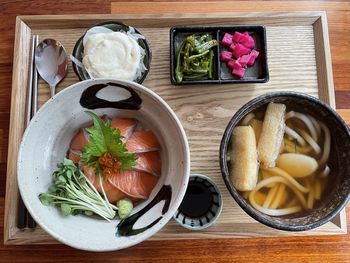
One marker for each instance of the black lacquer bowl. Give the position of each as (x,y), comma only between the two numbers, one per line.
(337,192)
(78,51)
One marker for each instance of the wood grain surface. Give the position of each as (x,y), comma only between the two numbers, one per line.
(204,110)
(291,249)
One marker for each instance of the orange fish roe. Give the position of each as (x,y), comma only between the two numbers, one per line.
(109,163)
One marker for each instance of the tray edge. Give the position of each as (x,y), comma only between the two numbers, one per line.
(323,64)
(16,128)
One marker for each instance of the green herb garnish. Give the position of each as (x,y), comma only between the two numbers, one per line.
(104,138)
(195,58)
(75,194)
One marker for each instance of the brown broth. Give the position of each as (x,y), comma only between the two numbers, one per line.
(296,125)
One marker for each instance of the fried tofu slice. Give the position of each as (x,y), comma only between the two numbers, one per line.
(244,162)
(257,127)
(272,132)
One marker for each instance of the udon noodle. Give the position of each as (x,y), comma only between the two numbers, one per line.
(296,179)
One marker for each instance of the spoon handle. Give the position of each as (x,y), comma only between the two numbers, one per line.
(52,90)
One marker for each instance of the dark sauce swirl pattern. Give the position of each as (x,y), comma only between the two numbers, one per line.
(125,227)
(89,99)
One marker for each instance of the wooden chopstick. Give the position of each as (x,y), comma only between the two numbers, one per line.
(35,83)
(30,221)
(24,219)
(21,214)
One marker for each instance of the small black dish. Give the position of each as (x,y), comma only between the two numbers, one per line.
(259,73)
(201,205)
(337,193)
(78,51)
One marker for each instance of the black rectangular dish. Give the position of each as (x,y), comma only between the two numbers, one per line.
(257,73)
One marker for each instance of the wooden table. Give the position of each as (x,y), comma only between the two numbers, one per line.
(292,249)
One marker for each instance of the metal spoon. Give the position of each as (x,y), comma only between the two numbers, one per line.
(51,62)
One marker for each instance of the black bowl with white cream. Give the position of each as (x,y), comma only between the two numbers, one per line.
(114,50)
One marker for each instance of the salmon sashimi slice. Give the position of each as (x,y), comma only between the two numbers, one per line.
(113,193)
(149,162)
(79,141)
(74,156)
(142,141)
(89,172)
(134,183)
(125,125)
(81,138)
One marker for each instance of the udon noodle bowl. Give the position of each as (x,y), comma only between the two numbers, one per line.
(279,160)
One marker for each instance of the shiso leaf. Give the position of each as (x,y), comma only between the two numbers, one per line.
(104,138)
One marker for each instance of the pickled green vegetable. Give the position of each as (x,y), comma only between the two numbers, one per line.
(195,58)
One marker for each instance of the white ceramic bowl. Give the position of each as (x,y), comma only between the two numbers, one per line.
(45,143)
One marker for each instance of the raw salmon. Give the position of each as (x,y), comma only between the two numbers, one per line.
(134,183)
(142,141)
(91,175)
(81,138)
(74,156)
(126,126)
(79,141)
(113,193)
(149,162)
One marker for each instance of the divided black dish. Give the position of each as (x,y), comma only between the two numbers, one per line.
(258,73)
(177,36)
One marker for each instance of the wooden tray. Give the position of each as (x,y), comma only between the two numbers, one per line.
(299,60)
